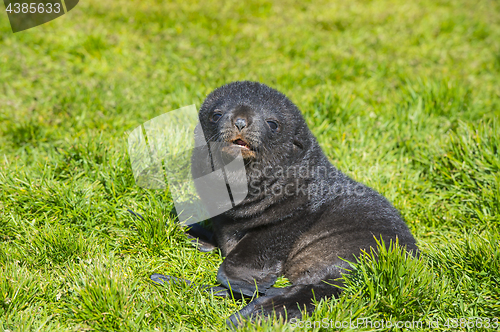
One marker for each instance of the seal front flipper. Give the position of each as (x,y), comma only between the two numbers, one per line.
(162,279)
(135,214)
(288,302)
(200,244)
(218,291)
(201,237)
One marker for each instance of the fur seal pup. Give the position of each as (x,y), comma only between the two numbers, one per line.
(301,218)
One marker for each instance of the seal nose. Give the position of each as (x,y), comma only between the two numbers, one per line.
(240,123)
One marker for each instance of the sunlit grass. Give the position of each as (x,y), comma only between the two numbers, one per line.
(403,96)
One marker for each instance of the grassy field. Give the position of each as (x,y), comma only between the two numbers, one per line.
(402,95)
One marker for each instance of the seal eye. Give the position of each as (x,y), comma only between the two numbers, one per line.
(216,116)
(272,124)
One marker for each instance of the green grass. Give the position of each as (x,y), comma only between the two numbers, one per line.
(403,96)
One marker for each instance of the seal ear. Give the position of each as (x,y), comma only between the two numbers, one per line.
(301,140)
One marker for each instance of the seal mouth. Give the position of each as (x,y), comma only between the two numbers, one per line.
(241,143)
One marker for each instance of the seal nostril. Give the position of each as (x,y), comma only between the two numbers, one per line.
(240,123)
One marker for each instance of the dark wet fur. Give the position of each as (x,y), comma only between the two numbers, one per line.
(304,236)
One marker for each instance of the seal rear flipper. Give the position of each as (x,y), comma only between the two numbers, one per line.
(218,291)
(288,302)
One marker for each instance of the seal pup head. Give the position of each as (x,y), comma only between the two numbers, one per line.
(257,120)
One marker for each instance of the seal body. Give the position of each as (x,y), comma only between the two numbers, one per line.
(302,217)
